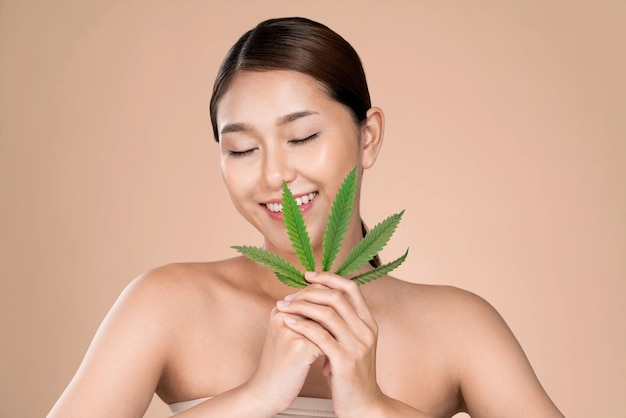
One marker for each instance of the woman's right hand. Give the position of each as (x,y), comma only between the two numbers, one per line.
(284,364)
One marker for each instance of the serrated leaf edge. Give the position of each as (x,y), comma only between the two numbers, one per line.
(339,220)
(271,260)
(379,271)
(296,229)
(290,282)
(374,241)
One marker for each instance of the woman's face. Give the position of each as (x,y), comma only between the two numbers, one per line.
(281,125)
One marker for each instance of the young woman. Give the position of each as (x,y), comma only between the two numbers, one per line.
(227,339)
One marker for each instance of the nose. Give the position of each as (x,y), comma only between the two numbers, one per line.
(276,168)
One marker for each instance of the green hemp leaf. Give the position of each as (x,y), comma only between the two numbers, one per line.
(334,233)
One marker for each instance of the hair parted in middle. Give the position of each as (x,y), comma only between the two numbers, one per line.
(303,45)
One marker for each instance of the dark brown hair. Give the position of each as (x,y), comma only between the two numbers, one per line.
(302,45)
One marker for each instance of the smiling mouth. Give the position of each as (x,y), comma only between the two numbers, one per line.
(300,200)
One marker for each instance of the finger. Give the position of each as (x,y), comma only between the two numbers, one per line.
(311,286)
(318,335)
(327,317)
(348,287)
(330,308)
(291,341)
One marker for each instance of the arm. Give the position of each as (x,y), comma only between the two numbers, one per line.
(121,369)
(495,377)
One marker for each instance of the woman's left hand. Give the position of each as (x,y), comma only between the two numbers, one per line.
(342,326)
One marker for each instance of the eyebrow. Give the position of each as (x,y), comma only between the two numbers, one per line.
(236,127)
(295,116)
(245,127)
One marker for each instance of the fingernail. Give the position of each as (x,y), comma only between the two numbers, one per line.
(283,303)
(292,296)
(310,274)
(289,320)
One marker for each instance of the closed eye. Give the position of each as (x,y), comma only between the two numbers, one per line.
(305,140)
(241,153)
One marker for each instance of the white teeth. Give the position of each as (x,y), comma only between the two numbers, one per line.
(306,198)
(275,207)
(278,207)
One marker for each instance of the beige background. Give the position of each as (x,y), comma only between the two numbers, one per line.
(505,143)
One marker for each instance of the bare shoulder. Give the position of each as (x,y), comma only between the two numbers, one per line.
(474,342)
(174,281)
(157,298)
(161,302)
(134,343)
(182,296)
(458,322)
(178,275)
(447,305)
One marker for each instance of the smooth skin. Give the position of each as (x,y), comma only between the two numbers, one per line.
(231,331)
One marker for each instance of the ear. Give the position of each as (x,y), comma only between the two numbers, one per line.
(372,136)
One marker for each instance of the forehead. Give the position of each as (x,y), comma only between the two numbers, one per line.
(268,95)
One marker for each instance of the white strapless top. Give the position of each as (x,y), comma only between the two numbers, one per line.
(300,408)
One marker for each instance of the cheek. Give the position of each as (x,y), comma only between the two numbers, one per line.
(239,193)
(339,149)
(340,155)
(236,183)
